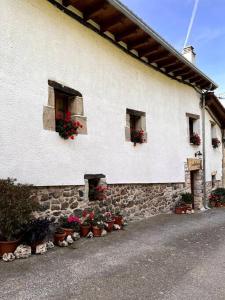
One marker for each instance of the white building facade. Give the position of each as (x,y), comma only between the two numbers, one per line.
(44,52)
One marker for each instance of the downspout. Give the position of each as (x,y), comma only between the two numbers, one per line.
(203,151)
(223,158)
(205,200)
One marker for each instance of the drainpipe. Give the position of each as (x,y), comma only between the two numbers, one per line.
(223,158)
(203,151)
(205,200)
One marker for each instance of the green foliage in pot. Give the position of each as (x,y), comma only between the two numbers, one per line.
(17,203)
(37,231)
(187,198)
(219,194)
(98,221)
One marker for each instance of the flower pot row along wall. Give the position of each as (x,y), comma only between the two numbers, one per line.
(21,233)
(217,198)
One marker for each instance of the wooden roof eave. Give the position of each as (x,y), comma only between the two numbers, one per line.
(217,109)
(114,17)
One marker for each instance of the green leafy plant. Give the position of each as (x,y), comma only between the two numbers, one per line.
(71,222)
(187,198)
(98,221)
(218,195)
(17,203)
(36,231)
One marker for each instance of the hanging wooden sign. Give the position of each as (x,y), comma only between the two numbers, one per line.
(194,164)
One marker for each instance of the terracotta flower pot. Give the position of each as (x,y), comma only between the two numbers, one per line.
(59,237)
(180,210)
(8,246)
(218,204)
(213,203)
(118,220)
(97,232)
(68,231)
(110,226)
(85,230)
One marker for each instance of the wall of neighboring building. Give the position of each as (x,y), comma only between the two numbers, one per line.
(41,43)
(213,155)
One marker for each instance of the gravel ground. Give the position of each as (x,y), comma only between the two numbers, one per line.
(164,257)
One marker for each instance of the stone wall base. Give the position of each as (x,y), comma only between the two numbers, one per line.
(135,200)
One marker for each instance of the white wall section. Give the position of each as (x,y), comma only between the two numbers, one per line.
(39,42)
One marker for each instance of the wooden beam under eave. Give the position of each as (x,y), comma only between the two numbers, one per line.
(66,3)
(137,43)
(126,33)
(183,71)
(150,50)
(92,10)
(111,22)
(164,61)
(190,76)
(156,56)
(175,67)
(142,45)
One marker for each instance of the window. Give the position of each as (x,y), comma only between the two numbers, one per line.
(193,129)
(61,104)
(62,99)
(95,187)
(213,180)
(135,130)
(214,140)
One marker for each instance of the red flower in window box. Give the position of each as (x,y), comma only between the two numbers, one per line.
(195,139)
(66,127)
(137,136)
(215,142)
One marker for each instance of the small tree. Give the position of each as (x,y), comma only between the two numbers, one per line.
(17,203)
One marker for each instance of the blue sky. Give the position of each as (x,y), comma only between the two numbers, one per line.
(170,18)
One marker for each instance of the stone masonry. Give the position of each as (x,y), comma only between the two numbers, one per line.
(136,201)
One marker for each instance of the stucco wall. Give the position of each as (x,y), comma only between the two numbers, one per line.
(38,42)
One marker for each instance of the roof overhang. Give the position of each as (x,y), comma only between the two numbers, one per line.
(137,38)
(217,109)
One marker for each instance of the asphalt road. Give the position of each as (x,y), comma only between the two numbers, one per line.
(164,257)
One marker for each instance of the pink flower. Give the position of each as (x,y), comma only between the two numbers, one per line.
(73,219)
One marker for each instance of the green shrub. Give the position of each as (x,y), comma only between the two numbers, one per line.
(219,194)
(187,198)
(17,203)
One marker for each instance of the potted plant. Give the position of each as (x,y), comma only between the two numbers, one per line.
(187,199)
(70,224)
(195,139)
(59,235)
(17,203)
(66,127)
(86,221)
(109,221)
(217,197)
(36,232)
(97,224)
(118,217)
(180,209)
(215,143)
(137,136)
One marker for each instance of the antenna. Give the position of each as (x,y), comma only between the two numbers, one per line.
(191,22)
